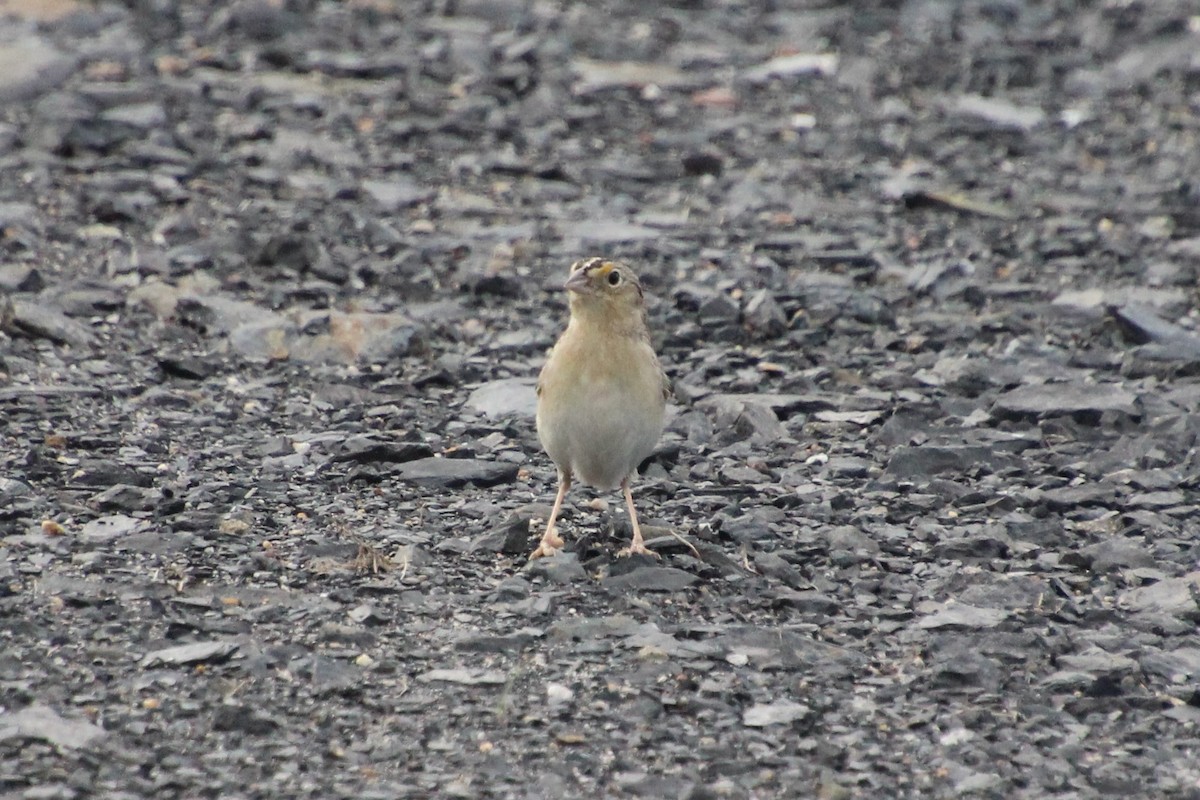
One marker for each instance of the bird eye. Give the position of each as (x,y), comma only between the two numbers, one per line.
(614,278)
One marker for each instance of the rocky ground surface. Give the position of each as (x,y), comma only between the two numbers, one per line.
(275,278)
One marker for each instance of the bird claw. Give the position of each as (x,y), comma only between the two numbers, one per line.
(551,544)
(637,548)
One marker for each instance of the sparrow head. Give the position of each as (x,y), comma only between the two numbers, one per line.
(596,283)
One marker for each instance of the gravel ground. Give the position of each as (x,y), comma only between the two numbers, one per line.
(275,279)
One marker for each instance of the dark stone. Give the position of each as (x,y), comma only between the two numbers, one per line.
(511,538)
(1057,399)
(652,579)
(1115,554)
(703,162)
(123,497)
(242,719)
(370,450)
(919,462)
(451,473)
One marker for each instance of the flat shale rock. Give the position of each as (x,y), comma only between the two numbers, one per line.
(464,677)
(108,528)
(1050,399)
(1116,554)
(511,397)
(1178,666)
(745,417)
(781,712)
(38,320)
(560,568)
(45,724)
(652,579)
(31,65)
(927,460)
(189,654)
(1174,596)
(958,615)
(450,473)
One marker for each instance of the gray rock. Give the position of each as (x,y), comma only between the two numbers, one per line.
(465,677)
(243,719)
(337,338)
(847,537)
(1117,553)
(1178,666)
(1085,494)
(20,278)
(508,397)
(744,417)
(719,308)
(41,321)
(123,497)
(143,116)
(920,462)
(786,66)
(512,538)
(652,579)
(105,529)
(45,724)
(1167,499)
(370,449)
(1175,596)
(977,783)
(598,233)
(1051,399)
(366,614)
(195,653)
(780,712)
(453,473)
(846,467)
(775,566)
(563,567)
(960,615)
(650,639)
(11,488)
(213,313)
(397,193)
(1148,326)
(1097,661)
(30,66)
(811,601)
(999,113)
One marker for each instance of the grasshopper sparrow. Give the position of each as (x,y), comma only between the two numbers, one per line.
(602,394)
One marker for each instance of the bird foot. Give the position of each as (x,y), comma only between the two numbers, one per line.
(551,543)
(638,548)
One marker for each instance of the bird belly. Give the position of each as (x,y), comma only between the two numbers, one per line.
(596,434)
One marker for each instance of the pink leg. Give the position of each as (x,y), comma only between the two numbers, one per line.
(551,541)
(638,545)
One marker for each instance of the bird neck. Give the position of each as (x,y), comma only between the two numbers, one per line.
(615,319)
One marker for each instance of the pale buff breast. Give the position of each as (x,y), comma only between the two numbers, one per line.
(600,412)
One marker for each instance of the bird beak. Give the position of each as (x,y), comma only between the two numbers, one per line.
(578,282)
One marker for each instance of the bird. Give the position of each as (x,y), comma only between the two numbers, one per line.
(602,393)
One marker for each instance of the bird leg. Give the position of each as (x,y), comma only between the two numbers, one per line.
(551,541)
(638,545)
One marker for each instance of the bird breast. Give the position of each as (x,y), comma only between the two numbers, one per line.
(601,408)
